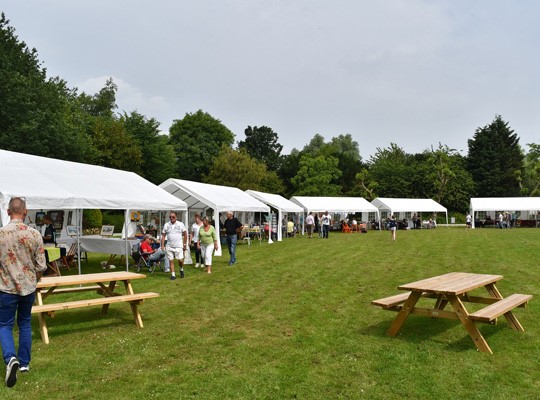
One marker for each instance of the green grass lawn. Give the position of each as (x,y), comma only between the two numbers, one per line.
(294,320)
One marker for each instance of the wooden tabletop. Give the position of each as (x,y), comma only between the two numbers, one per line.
(51,281)
(455,283)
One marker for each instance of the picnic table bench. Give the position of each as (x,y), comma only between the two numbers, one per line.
(455,288)
(103,284)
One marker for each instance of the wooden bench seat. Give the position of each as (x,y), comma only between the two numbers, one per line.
(491,312)
(130,298)
(392,301)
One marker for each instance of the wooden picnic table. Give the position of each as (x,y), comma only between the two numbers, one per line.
(103,284)
(455,288)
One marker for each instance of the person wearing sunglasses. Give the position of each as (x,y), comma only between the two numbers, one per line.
(176,234)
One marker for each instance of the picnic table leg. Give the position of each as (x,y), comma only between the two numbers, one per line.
(404,313)
(105,307)
(441,302)
(510,317)
(469,325)
(134,305)
(41,317)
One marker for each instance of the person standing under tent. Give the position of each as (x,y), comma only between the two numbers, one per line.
(48,235)
(176,235)
(310,224)
(22,263)
(232,226)
(207,242)
(195,239)
(326,220)
(392,225)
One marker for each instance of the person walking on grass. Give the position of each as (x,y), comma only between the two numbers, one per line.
(232,226)
(392,225)
(468,221)
(176,235)
(326,220)
(22,263)
(195,239)
(207,243)
(310,224)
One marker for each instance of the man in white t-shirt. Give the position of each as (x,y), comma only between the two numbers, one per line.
(176,234)
(310,224)
(326,221)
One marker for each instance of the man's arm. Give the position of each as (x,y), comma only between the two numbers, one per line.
(163,237)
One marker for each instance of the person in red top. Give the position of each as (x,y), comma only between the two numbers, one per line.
(148,252)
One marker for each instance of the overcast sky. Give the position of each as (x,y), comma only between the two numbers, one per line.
(412,72)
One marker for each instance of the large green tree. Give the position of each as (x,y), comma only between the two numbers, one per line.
(158,157)
(316,176)
(262,144)
(452,184)
(238,169)
(345,150)
(531,184)
(495,160)
(391,171)
(197,139)
(116,148)
(287,171)
(37,113)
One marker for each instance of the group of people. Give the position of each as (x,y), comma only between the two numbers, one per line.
(321,223)
(202,236)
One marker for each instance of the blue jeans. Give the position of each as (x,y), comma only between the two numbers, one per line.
(11,304)
(325,231)
(231,244)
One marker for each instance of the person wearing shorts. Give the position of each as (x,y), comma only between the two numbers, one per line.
(208,243)
(392,225)
(176,235)
(468,221)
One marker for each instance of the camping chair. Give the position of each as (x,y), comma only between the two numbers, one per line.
(141,261)
(345,227)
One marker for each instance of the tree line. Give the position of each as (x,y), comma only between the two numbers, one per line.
(41,115)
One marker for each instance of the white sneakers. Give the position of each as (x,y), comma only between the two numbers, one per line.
(11,372)
(198,265)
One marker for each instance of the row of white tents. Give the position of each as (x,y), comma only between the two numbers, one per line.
(62,185)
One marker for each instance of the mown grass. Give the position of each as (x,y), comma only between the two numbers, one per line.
(294,320)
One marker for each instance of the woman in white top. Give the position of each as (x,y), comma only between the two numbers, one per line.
(195,238)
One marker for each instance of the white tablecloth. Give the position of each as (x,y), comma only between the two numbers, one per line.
(98,244)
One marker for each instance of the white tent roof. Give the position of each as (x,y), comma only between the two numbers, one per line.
(505,203)
(408,205)
(221,198)
(334,204)
(276,201)
(48,183)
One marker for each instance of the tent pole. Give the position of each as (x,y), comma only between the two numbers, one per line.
(78,222)
(126,238)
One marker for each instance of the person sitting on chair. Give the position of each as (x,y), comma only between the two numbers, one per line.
(148,252)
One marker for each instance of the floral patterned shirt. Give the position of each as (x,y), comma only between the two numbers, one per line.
(21,257)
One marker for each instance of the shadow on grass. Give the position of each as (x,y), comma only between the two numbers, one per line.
(424,330)
(78,321)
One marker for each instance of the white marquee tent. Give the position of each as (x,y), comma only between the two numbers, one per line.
(504,204)
(201,196)
(408,205)
(48,183)
(278,202)
(335,204)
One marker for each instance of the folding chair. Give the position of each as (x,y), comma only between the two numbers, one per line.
(141,261)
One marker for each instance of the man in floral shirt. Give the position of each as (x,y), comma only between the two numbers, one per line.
(22,262)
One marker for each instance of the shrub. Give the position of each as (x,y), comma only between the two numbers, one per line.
(92,219)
